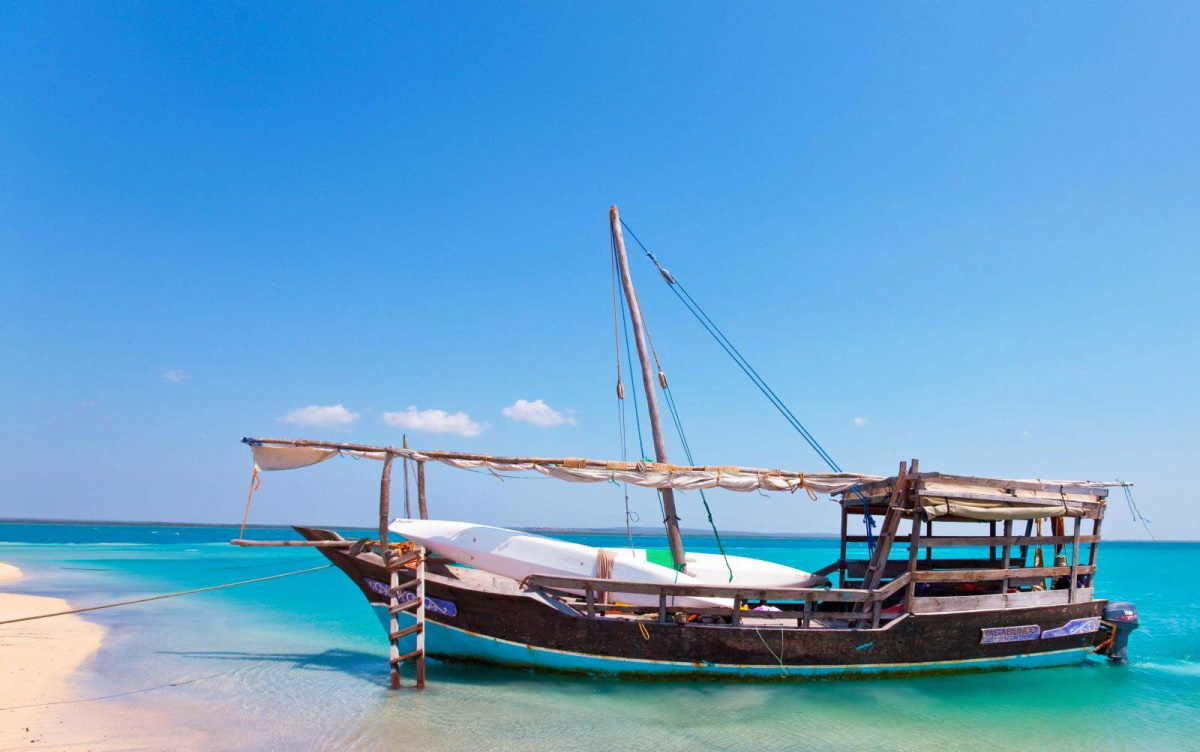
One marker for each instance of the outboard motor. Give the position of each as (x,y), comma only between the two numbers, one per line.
(1123,619)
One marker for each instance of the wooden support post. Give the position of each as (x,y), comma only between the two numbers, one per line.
(1025,547)
(807,618)
(650,388)
(421,490)
(662,608)
(393,628)
(420,574)
(590,596)
(914,551)
(407,503)
(1007,554)
(1074,561)
(992,533)
(842,555)
(887,533)
(928,534)
(737,612)
(875,609)
(1092,550)
(385,492)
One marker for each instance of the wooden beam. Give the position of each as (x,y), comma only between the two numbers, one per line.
(246,543)
(556,582)
(983,575)
(407,503)
(385,495)
(424,510)
(981,541)
(1074,562)
(914,551)
(561,461)
(842,556)
(1093,488)
(1007,552)
(674,538)
(1095,541)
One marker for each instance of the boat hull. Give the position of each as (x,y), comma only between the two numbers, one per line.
(468,624)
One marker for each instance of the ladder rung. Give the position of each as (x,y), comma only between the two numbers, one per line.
(404,606)
(398,563)
(405,657)
(404,586)
(406,632)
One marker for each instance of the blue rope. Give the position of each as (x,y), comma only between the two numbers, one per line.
(629,364)
(1137,513)
(740,360)
(687,450)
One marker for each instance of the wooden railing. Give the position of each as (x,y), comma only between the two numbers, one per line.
(739,595)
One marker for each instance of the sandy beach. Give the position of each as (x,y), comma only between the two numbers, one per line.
(41,706)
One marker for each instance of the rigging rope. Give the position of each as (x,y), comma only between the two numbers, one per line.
(1133,510)
(168,595)
(662,380)
(619,327)
(740,360)
(687,450)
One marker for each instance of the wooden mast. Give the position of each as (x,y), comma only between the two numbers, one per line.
(660,448)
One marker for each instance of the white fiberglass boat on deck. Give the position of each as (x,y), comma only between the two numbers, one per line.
(517,555)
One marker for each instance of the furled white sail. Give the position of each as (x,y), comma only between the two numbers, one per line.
(648,475)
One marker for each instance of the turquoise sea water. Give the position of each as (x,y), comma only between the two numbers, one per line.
(300,663)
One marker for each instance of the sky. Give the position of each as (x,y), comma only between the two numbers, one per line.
(961,233)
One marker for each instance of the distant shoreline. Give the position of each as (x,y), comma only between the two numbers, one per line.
(637,532)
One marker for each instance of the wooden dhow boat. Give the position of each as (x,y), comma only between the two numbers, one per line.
(959,576)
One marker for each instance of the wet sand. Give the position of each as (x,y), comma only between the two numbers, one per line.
(42,667)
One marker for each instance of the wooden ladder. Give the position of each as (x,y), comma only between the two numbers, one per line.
(887,533)
(395,607)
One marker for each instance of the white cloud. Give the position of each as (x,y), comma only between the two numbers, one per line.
(861,421)
(435,421)
(321,416)
(176,375)
(537,412)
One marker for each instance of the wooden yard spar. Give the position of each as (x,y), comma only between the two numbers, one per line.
(670,517)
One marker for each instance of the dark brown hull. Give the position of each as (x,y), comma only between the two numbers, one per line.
(516,629)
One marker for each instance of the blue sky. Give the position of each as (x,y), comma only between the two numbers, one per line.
(973,228)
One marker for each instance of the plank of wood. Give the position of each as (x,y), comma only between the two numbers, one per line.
(1074,561)
(385,495)
(874,488)
(700,591)
(403,586)
(419,667)
(887,532)
(401,634)
(406,606)
(246,543)
(995,601)
(983,575)
(407,656)
(1012,501)
(421,507)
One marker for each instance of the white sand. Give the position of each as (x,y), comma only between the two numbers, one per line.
(8,573)
(41,662)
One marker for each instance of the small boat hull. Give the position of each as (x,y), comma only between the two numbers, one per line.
(517,555)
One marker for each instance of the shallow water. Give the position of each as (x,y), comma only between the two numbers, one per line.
(301,663)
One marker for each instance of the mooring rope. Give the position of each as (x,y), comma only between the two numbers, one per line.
(167,595)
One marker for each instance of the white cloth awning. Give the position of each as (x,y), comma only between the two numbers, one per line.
(287,457)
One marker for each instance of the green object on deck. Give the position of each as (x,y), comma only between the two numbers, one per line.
(661,556)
